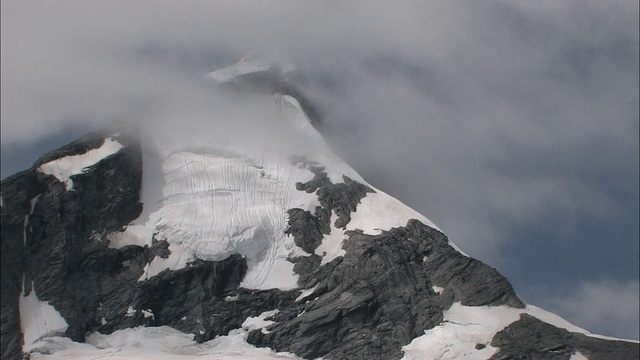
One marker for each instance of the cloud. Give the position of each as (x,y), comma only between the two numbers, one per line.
(604,307)
(483,116)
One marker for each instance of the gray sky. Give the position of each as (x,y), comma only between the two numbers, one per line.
(512,125)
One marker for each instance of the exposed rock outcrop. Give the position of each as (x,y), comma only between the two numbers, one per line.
(49,233)
(379,296)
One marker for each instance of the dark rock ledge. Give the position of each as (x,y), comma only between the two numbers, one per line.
(530,338)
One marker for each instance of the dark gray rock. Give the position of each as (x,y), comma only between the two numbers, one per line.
(600,349)
(468,280)
(17,190)
(205,298)
(305,265)
(63,225)
(530,338)
(309,229)
(305,229)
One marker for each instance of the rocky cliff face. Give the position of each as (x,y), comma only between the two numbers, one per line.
(371,276)
(52,238)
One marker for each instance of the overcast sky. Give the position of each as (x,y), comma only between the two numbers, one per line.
(513,125)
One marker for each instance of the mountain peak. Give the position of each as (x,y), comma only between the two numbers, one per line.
(266,75)
(274,243)
(252,65)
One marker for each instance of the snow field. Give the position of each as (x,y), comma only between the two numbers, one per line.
(144,343)
(215,206)
(462,328)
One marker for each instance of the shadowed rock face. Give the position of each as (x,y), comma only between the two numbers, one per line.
(15,195)
(50,248)
(365,304)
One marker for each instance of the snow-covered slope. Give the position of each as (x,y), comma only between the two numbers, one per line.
(210,202)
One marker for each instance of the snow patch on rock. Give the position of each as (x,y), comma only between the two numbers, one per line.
(259,322)
(305,293)
(578,356)
(38,318)
(65,167)
(462,328)
(331,246)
